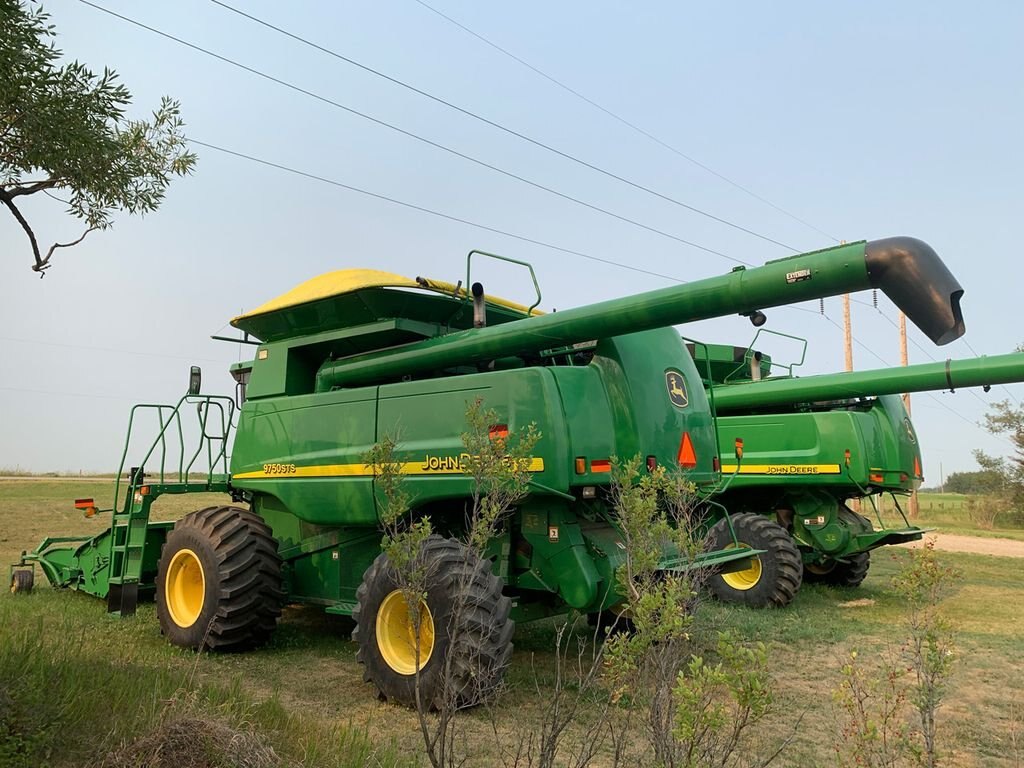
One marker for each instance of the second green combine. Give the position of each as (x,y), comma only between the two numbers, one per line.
(818,451)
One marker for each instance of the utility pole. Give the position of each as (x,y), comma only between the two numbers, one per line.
(904,361)
(848,348)
(847,332)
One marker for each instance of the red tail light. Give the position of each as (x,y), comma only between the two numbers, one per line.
(600,465)
(498,431)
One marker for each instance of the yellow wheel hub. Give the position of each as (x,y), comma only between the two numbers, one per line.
(747,578)
(396,634)
(185,588)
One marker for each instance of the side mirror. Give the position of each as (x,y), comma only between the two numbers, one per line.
(240,372)
(195,380)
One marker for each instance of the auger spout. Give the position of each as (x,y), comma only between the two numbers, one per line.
(907,270)
(951,374)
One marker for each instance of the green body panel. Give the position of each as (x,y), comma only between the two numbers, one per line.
(810,447)
(331,431)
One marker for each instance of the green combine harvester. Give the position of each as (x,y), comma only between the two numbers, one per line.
(352,356)
(813,445)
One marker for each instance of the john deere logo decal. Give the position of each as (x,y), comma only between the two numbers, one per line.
(676,388)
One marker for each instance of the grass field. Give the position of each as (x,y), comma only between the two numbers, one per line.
(76,684)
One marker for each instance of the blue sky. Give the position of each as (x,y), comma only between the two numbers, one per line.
(864,119)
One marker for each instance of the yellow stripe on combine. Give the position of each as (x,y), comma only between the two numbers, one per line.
(439,465)
(783,469)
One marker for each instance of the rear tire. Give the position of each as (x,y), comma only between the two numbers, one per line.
(464,616)
(773,578)
(22,582)
(848,574)
(218,584)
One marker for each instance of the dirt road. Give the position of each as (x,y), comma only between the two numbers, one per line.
(976,545)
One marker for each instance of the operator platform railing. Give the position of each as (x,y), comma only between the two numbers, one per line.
(214,418)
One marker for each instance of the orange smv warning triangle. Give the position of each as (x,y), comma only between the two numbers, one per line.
(687,457)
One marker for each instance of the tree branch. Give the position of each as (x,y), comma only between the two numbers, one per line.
(58,199)
(5,198)
(46,262)
(32,187)
(41,263)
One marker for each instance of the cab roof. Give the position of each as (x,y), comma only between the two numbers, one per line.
(355,297)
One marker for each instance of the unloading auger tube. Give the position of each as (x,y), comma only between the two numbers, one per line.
(907,270)
(927,377)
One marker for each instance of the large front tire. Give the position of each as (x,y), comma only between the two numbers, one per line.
(465,633)
(773,578)
(218,583)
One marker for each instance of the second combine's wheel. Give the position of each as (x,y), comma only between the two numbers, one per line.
(218,584)
(22,582)
(773,578)
(851,572)
(464,643)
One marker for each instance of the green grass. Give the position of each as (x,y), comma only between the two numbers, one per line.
(76,683)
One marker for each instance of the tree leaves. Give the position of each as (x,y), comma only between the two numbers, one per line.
(63,127)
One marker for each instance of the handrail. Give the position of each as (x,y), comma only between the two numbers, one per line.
(748,354)
(167,416)
(533,276)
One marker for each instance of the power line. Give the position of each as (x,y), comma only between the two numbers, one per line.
(410,134)
(430,211)
(501,127)
(627,123)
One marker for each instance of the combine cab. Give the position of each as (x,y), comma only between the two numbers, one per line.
(353,356)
